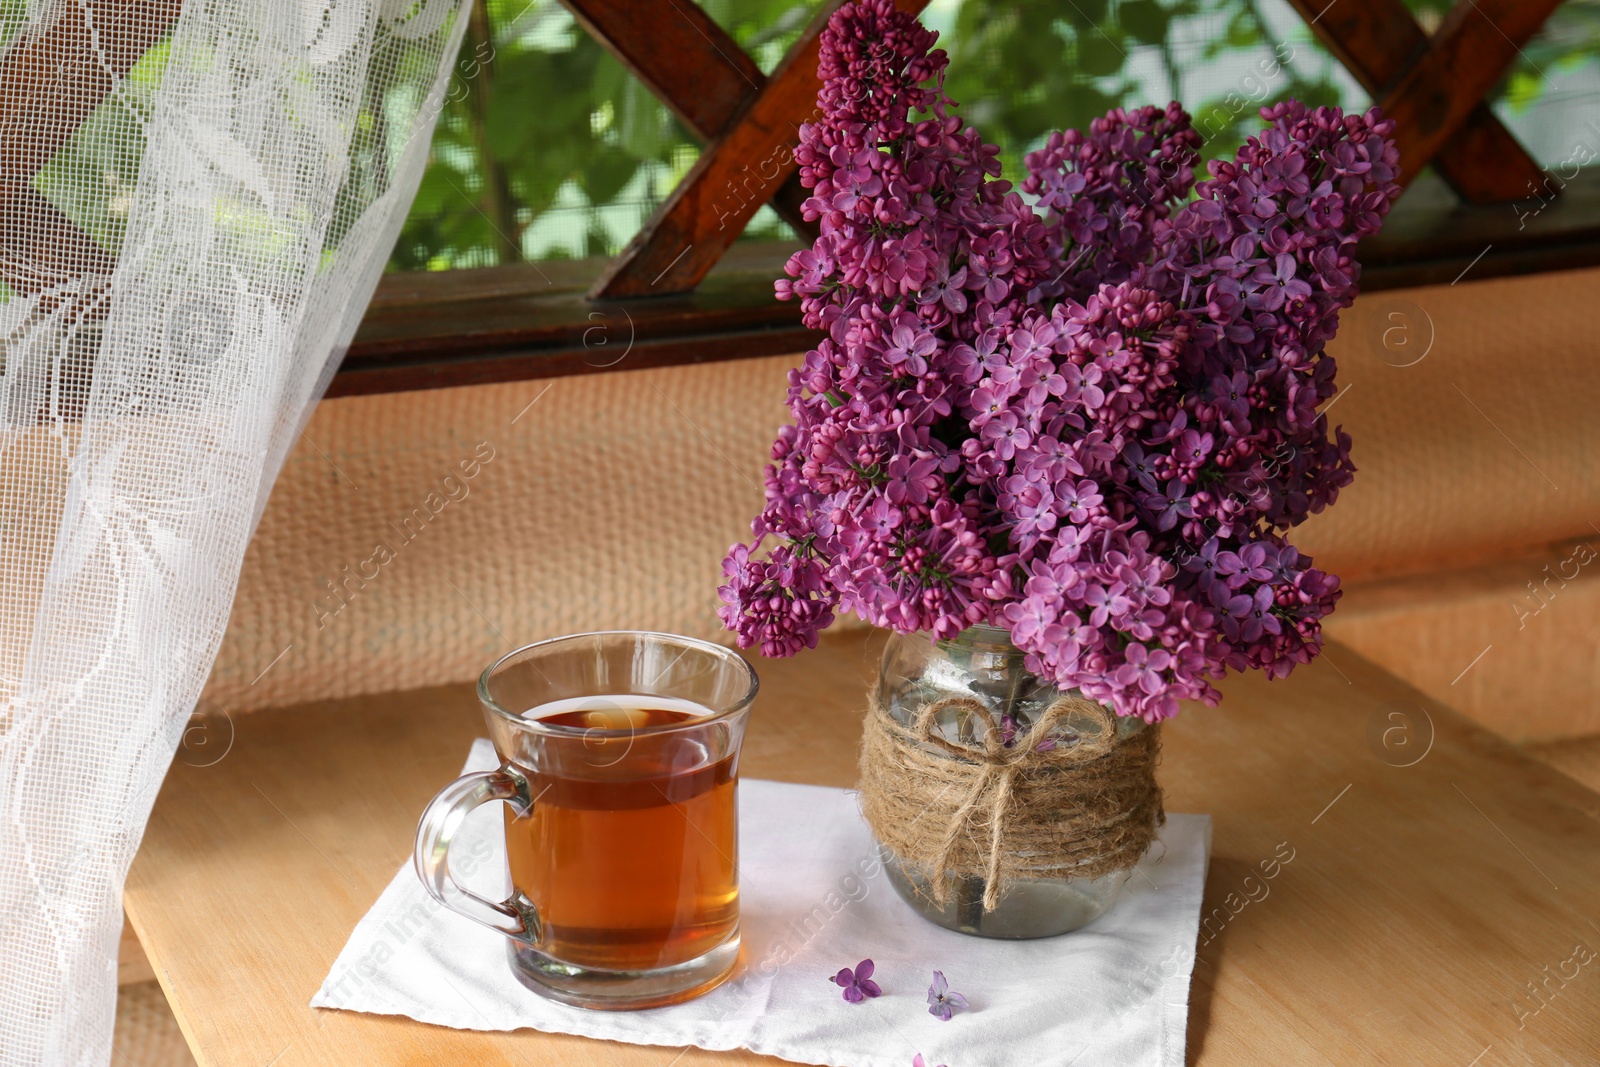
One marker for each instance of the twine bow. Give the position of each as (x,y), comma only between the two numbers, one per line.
(1091,804)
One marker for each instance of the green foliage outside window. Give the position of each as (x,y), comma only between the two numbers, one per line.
(546,147)
(567,154)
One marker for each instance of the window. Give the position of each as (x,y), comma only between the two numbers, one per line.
(551,149)
(574,133)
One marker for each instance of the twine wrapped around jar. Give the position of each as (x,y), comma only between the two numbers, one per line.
(999,811)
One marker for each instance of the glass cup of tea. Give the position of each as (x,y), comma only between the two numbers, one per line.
(619,760)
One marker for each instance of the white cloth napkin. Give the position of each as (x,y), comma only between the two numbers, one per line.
(1113,993)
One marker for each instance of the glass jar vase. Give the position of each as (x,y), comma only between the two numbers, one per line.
(951,680)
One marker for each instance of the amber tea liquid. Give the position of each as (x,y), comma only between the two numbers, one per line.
(630,852)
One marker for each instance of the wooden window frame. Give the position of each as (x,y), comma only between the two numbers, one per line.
(497,324)
(682,291)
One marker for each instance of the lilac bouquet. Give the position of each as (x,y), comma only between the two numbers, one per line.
(1089,419)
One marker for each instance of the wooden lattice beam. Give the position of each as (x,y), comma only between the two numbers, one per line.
(682,56)
(1432,88)
(1466,57)
(1378,41)
(733,177)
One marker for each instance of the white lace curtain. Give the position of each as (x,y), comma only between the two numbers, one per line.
(196,200)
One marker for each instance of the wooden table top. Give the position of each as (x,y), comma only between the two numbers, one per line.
(1438,913)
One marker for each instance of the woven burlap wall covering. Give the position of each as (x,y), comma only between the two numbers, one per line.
(414,536)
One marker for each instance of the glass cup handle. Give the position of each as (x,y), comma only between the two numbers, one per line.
(515,916)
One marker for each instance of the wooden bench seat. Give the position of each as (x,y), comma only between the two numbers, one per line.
(1422,907)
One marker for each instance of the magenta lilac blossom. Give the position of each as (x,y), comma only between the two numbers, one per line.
(857,984)
(1086,410)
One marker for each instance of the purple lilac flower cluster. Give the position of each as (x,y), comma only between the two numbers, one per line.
(1089,419)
